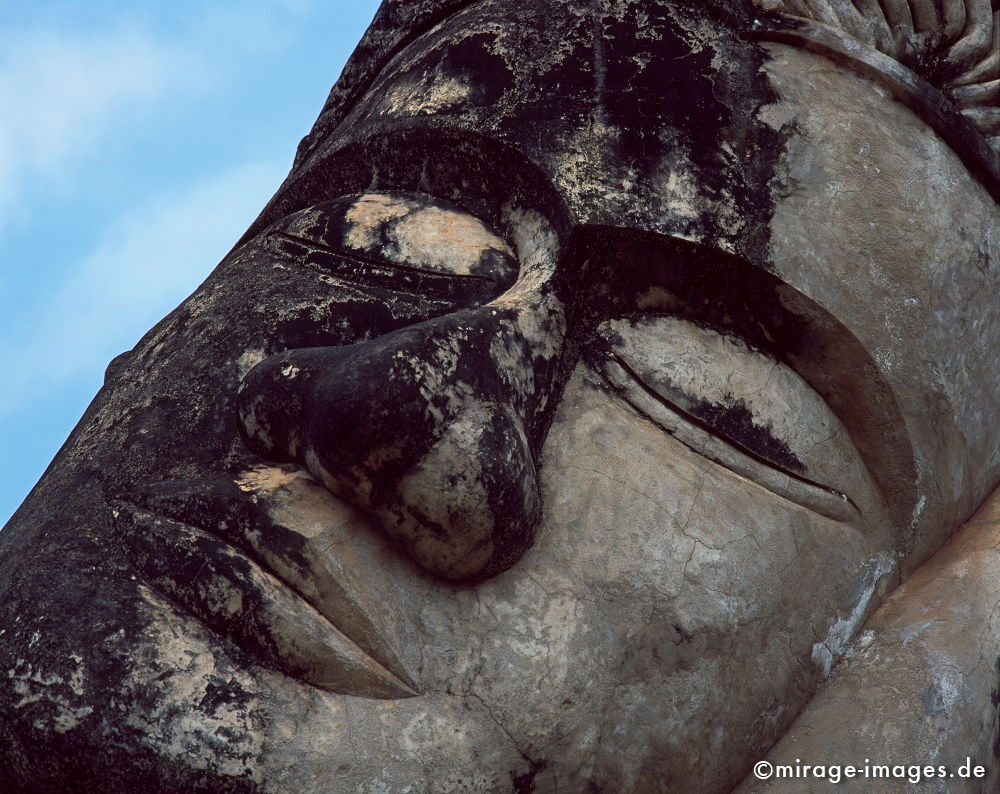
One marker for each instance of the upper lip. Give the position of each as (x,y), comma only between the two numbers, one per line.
(273,589)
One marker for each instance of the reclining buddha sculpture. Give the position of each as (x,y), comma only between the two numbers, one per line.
(593,377)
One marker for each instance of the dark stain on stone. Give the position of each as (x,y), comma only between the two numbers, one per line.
(525,783)
(734,422)
(933,699)
(224,694)
(470,62)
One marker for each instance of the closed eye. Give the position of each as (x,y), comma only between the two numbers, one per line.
(734,405)
(408,243)
(360,270)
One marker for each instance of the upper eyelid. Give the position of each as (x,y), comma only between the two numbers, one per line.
(441,161)
(402,241)
(703,437)
(813,495)
(708,427)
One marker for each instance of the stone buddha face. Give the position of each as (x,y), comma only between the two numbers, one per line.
(592,376)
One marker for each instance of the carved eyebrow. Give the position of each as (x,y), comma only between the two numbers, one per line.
(704,284)
(423,159)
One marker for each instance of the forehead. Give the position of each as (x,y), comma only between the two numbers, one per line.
(644,115)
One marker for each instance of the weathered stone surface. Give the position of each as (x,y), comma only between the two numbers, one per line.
(918,687)
(595,374)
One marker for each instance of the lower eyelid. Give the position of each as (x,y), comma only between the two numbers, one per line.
(397,278)
(686,429)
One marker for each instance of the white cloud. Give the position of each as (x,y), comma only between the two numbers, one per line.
(61,93)
(147,262)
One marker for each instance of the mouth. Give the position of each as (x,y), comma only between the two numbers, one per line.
(251,558)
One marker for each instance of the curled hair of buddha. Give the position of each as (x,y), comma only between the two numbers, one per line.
(953,44)
(939,57)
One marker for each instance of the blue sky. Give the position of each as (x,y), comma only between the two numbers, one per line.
(137,141)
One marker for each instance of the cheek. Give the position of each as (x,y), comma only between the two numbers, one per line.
(629,506)
(726,598)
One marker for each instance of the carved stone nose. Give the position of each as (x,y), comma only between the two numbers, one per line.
(429,428)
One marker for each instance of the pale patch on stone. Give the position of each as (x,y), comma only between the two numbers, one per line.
(535,240)
(918,510)
(539,324)
(383,786)
(822,658)
(443,239)
(446,486)
(253,428)
(220,597)
(544,329)
(843,629)
(426,237)
(265,478)
(192,736)
(32,685)
(682,196)
(427,729)
(578,168)
(508,43)
(546,635)
(682,193)
(248,360)
(429,94)
(369,214)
